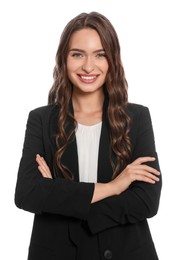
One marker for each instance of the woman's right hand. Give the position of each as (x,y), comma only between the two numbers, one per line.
(43,167)
(136,171)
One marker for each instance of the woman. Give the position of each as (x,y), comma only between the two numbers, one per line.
(89,169)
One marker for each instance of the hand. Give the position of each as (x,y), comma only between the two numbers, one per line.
(43,167)
(136,171)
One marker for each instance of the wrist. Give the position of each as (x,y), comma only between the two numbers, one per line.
(114,187)
(110,189)
(102,191)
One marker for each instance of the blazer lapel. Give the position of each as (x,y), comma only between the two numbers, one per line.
(105,170)
(70,159)
(70,156)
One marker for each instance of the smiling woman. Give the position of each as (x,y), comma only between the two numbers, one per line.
(87,64)
(89,169)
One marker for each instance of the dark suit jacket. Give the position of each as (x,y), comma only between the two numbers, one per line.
(66,225)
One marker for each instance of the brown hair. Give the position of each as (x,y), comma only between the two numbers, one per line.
(115,88)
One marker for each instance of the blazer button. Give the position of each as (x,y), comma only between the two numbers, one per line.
(108,254)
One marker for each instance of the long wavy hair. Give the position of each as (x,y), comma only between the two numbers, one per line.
(115,91)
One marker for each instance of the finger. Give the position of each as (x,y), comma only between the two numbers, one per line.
(150,169)
(141,160)
(44,164)
(43,167)
(145,179)
(141,168)
(42,172)
(147,175)
(40,160)
(145,170)
(144,167)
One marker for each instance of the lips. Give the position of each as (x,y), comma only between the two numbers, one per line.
(88,78)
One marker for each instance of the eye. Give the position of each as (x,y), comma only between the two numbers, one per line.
(77,54)
(101,55)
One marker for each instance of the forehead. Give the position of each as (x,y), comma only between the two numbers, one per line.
(85,38)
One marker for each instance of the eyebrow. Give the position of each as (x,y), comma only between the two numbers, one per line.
(79,50)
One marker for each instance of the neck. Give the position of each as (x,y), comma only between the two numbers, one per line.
(88,102)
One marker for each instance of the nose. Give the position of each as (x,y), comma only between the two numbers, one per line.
(88,65)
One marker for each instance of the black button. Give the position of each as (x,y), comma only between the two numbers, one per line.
(107,254)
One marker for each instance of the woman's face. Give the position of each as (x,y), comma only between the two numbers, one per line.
(87,64)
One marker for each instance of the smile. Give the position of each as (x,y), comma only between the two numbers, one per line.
(88,78)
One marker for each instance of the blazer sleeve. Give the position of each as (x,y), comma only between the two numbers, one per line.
(140,200)
(37,194)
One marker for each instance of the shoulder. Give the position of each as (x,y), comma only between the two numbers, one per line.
(140,116)
(140,119)
(43,118)
(44,111)
(137,110)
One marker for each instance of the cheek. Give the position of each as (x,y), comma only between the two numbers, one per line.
(73,65)
(68,65)
(105,68)
(71,70)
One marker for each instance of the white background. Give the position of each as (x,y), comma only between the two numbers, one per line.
(29,36)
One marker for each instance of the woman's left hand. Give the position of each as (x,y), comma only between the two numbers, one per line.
(43,167)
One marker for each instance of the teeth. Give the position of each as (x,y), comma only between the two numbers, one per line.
(88,77)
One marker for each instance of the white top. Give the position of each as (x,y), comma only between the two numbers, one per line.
(88,138)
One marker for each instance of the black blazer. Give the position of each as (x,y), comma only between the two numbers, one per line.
(66,225)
